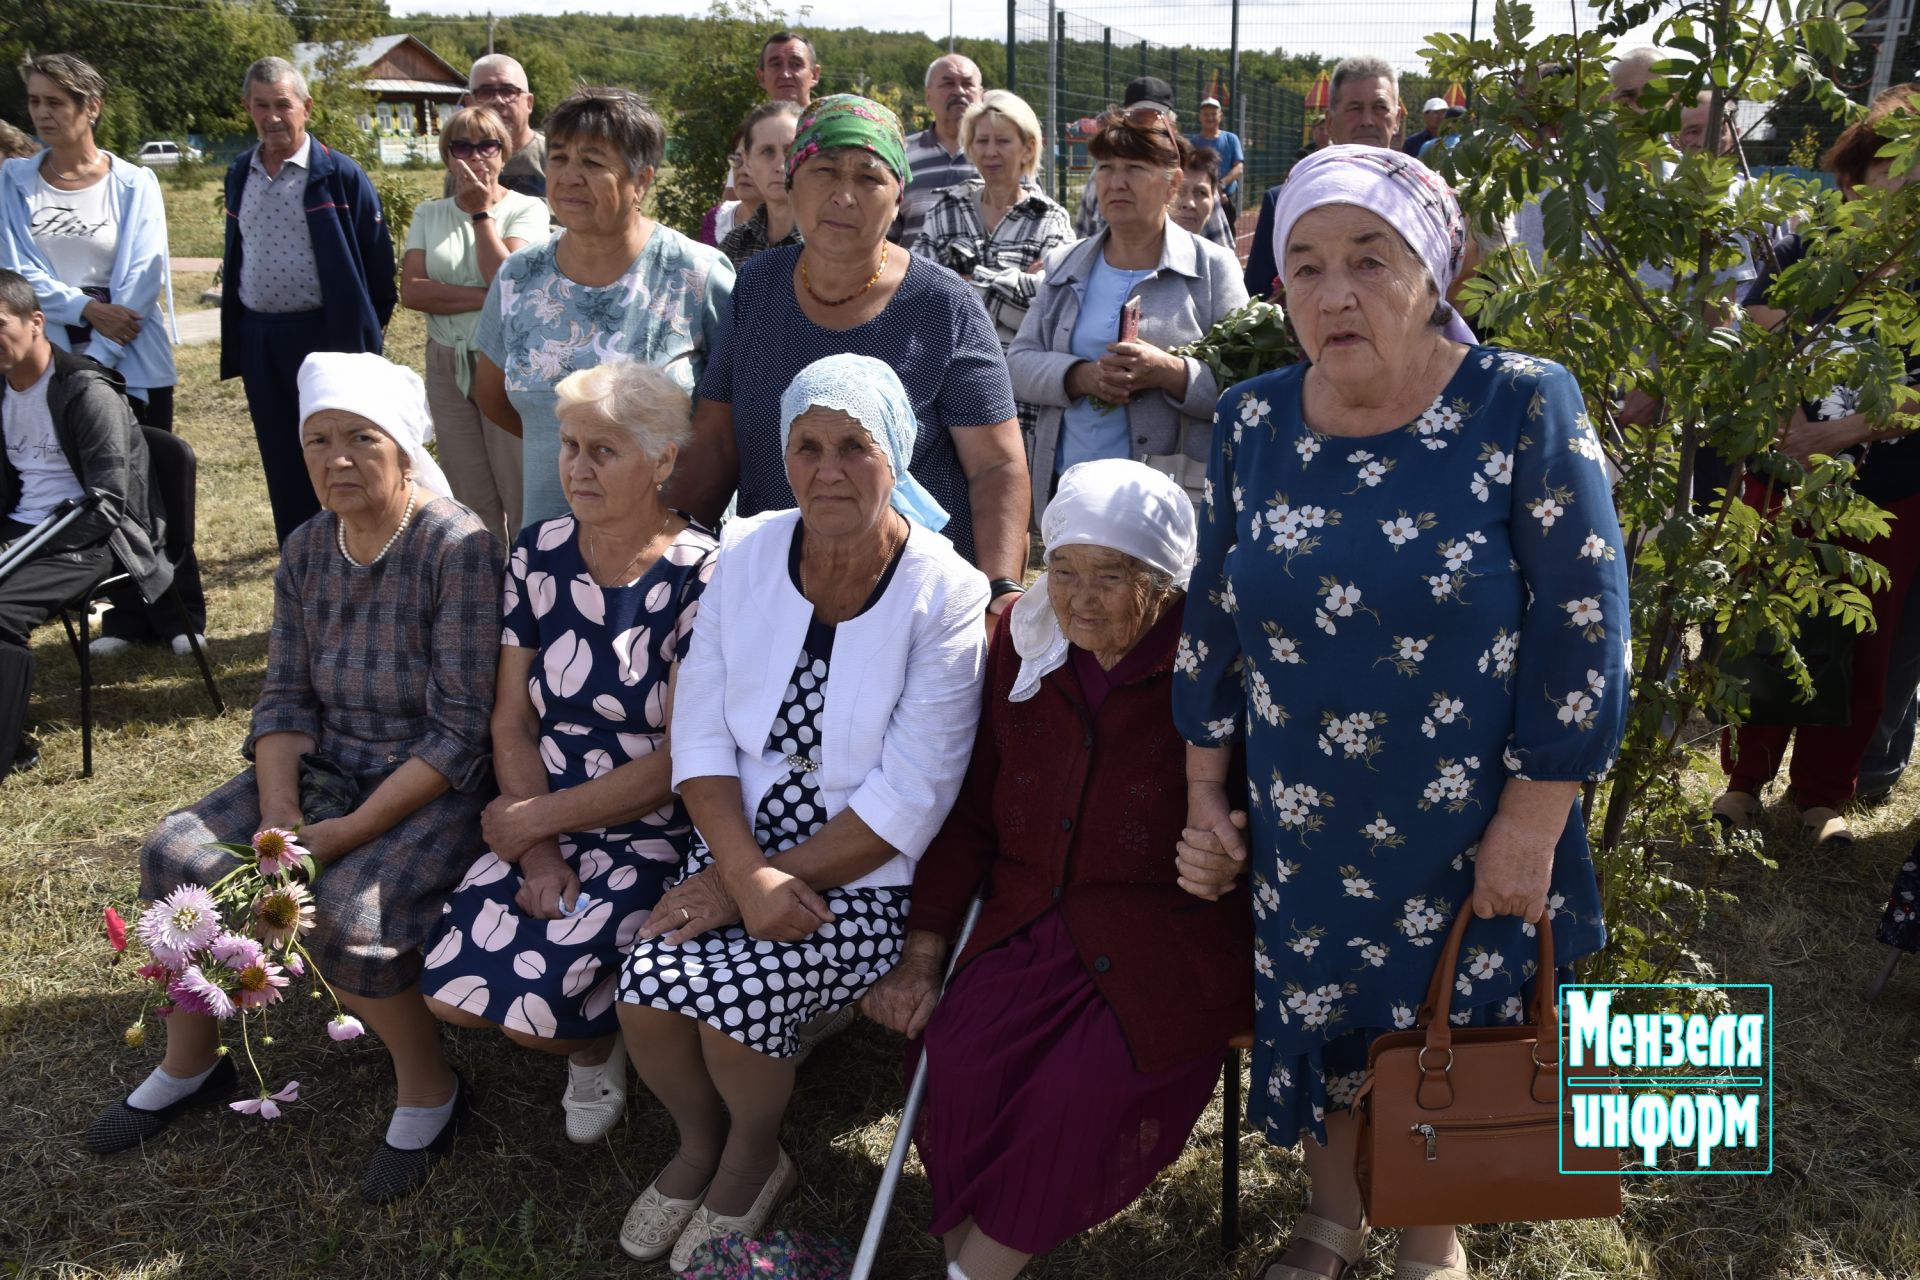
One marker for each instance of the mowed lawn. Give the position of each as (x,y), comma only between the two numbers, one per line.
(224,1195)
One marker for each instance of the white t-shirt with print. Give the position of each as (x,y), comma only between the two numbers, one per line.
(77,231)
(34,451)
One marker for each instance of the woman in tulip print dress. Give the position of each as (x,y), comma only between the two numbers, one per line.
(1410,600)
(599,609)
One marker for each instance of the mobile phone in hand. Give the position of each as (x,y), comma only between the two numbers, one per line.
(1130,320)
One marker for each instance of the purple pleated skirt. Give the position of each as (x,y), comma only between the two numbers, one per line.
(1037,1126)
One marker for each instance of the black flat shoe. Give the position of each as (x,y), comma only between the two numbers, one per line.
(123,1125)
(393,1173)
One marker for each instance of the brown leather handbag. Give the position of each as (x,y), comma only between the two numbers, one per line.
(1462,1124)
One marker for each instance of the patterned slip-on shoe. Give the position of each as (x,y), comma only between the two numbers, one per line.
(1347,1244)
(394,1173)
(706,1224)
(1428,1271)
(122,1125)
(654,1223)
(1826,827)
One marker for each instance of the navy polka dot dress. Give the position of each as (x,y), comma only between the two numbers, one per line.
(759,992)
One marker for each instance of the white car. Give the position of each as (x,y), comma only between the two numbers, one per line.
(165,155)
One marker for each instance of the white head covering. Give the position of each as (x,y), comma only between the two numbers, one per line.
(871,393)
(1114,503)
(388,395)
(1407,195)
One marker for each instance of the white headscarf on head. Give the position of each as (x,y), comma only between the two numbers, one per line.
(388,395)
(1114,503)
(1408,196)
(871,393)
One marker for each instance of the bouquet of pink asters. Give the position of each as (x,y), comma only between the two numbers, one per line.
(229,951)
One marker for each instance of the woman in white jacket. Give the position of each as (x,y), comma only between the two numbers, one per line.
(821,727)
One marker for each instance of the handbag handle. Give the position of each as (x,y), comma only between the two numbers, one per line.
(1436,1057)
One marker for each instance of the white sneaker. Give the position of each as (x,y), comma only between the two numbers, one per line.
(183,644)
(108,646)
(596,1096)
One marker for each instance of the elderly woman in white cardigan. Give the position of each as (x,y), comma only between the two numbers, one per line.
(821,727)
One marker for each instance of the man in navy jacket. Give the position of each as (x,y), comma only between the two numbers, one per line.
(309,267)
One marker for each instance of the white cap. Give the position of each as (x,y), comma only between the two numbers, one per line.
(1434,104)
(1209,102)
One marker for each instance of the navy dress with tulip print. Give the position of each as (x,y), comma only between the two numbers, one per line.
(1399,623)
(599,685)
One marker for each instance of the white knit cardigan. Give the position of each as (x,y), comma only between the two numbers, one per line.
(902,695)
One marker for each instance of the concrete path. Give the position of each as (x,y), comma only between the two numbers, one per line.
(199,326)
(195,264)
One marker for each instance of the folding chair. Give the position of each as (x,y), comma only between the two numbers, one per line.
(171,474)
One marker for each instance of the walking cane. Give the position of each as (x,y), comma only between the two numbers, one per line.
(897,1158)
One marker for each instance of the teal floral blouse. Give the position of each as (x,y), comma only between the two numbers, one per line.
(1399,623)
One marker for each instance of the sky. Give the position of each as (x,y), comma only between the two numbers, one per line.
(1394,29)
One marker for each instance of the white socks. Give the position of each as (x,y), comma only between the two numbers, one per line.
(954,1272)
(413,1128)
(160,1090)
(182,645)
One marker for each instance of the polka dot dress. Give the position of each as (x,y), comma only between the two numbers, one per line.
(760,992)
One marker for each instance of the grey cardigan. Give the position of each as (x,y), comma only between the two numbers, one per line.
(1196,283)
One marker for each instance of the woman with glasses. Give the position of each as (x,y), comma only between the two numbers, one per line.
(454,247)
(1094,354)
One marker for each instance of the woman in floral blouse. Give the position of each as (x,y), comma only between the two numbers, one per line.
(1410,600)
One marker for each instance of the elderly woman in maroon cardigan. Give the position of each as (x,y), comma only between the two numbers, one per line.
(1086,1024)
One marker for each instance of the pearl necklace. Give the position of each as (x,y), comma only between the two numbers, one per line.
(340,531)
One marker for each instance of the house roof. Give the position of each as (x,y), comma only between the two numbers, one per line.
(431,88)
(306,56)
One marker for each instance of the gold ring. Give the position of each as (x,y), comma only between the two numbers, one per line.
(686,916)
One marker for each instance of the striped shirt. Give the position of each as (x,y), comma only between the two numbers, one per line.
(934,170)
(278,273)
(995,263)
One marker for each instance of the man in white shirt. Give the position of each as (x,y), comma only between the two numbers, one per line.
(68,433)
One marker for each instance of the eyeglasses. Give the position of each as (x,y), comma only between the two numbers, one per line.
(502,92)
(463,149)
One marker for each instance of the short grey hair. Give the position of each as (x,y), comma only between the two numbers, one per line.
(620,118)
(1641,59)
(487,62)
(644,401)
(75,76)
(1363,68)
(272,71)
(954,57)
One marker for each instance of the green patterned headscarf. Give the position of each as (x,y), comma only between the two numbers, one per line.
(849,120)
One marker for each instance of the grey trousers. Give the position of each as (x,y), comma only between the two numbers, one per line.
(481,459)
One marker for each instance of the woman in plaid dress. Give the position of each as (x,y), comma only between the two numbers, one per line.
(382,655)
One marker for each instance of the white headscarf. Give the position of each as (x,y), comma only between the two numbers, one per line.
(1114,503)
(1408,196)
(388,395)
(871,393)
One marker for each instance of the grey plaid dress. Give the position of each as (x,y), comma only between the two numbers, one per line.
(379,663)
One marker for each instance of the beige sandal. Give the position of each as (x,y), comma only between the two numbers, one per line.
(1428,1271)
(1736,809)
(1825,826)
(1349,1244)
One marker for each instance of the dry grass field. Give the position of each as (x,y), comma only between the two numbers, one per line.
(227,1196)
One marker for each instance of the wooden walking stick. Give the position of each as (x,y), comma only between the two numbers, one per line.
(916,1095)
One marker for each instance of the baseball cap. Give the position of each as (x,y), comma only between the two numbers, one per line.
(1209,102)
(1151,90)
(1434,104)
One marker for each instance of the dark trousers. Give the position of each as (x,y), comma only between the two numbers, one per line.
(132,618)
(28,597)
(156,410)
(272,348)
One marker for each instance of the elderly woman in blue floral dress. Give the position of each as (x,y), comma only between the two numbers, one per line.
(599,610)
(1410,601)
(380,667)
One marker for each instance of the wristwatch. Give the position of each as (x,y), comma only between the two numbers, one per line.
(483,216)
(1001,587)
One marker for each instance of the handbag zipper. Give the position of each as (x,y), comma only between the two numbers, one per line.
(1431,1133)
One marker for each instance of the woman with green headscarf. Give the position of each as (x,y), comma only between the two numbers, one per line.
(848,291)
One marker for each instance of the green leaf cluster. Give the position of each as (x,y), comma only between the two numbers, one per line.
(1634,294)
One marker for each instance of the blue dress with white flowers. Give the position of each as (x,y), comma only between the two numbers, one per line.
(1399,623)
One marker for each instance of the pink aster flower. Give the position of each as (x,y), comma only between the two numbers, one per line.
(185,920)
(277,850)
(260,984)
(267,1105)
(194,992)
(344,1026)
(237,952)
